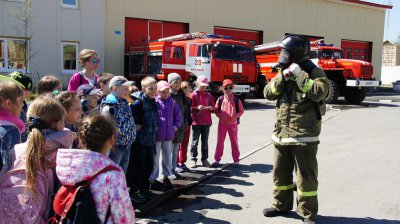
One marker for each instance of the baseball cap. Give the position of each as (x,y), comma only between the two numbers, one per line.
(227,82)
(202,80)
(87,89)
(162,85)
(24,80)
(120,81)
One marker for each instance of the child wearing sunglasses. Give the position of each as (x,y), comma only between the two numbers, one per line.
(90,62)
(228,109)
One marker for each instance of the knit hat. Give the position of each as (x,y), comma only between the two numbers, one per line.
(23,80)
(173,77)
(162,85)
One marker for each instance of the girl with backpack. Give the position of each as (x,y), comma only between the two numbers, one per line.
(106,179)
(228,109)
(32,176)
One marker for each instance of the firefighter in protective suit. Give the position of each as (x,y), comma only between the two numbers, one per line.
(300,88)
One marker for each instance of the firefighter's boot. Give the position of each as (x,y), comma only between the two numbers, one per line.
(272,212)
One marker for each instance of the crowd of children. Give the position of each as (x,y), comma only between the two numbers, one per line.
(104,133)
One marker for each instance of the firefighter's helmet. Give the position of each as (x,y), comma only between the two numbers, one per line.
(295,49)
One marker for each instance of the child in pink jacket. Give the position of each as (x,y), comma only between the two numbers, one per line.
(228,109)
(109,189)
(201,109)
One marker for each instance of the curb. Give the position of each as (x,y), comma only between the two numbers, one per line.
(146,207)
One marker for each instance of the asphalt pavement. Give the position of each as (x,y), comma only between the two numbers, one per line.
(359,165)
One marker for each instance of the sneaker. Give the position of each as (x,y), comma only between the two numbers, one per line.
(156,185)
(167,184)
(206,163)
(179,170)
(138,198)
(184,168)
(308,221)
(236,164)
(167,181)
(272,212)
(215,164)
(177,175)
(193,164)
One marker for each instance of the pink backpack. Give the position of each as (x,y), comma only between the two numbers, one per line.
(18,205)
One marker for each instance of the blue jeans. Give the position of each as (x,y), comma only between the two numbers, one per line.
(204,131)
(175,150)
(120,155)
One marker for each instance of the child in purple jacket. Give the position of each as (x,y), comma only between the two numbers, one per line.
(169,120)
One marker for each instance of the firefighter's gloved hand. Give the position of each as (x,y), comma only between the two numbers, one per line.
(286,74)
(294,69)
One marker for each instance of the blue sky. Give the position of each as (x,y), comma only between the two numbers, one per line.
(393,32)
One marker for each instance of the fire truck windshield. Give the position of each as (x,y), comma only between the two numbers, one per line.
(328,54)
(232,52)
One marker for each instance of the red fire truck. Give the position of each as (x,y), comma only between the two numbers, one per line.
(192,54)
(347,77)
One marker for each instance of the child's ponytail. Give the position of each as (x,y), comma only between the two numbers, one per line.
(34,157)
(43,113)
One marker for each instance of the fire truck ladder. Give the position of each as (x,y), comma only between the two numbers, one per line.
(317,42)
(276,45)
(267,46)
(185,36)
(191,36)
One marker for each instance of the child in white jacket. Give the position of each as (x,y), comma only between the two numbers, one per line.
(109,189)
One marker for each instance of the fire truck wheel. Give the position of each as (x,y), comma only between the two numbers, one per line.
(355,95)
(333,92)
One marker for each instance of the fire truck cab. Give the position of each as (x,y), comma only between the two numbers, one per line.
(190,55)
(347,77)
